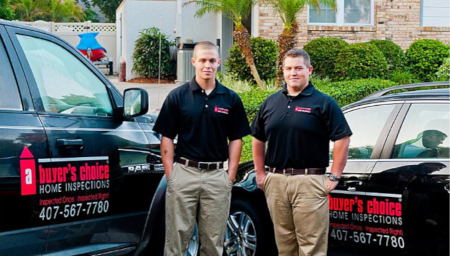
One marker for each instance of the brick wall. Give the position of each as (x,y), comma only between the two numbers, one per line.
(398,21)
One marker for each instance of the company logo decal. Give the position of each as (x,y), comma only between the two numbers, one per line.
(58,175)
(221,110)
(27,173)
(300,109)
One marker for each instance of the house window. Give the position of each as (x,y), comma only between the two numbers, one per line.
(434,13)
(348,13)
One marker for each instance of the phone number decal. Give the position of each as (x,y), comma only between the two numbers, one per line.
(367,238)
(74,210)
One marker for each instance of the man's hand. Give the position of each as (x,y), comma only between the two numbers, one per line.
(260,178)
(259,151)
(330,184)
(167,152)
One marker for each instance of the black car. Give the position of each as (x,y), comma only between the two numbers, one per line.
(393,196)
(80,170)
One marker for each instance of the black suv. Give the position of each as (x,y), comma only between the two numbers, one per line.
(393,198)
(80,172)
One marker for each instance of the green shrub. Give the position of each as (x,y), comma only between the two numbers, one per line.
(443,72)
(146,54)
(401,77)
(360,60)
(231,82)
(347,92)
(323,53)
(394,55)
(425,56)
(264,52)
(252,101)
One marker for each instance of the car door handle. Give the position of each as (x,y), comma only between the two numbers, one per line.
(352,182)
(69,143)
(355,182)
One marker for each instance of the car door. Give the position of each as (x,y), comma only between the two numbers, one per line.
(370,125)
(414,167)
(23,139)
(97,187)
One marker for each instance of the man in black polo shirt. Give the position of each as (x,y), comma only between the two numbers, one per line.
(298,123)
(205,115)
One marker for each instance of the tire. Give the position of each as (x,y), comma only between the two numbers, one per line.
(249,231)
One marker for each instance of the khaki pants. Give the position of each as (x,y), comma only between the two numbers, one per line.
(298,207)
(192,193)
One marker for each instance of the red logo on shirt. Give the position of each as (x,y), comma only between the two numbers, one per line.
(299,109)
(27,173)
(221,110)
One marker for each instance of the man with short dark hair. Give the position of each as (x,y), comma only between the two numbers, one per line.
(298,123)
(205,115)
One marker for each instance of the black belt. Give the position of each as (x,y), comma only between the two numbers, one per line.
(292,171)
(201,165)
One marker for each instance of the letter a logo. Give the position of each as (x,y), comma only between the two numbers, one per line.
(27,173)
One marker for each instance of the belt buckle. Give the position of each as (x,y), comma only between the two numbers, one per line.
(208,164)
(291,173)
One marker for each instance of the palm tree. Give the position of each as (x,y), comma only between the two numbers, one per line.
(287,10)
(25,9)
(237,11)
(64,11)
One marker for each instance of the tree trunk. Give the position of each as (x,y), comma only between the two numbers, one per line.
(242,38)
(286,42)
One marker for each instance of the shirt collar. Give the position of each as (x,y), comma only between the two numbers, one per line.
(308,91)
(220,89)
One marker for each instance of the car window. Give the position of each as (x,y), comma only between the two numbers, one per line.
(424,133)
(366,124)
(65,84)
(9,92)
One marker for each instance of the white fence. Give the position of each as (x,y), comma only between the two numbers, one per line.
(70,32)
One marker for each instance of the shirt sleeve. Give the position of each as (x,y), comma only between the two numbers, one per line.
(167,122)
(239,126)
(258,125)
(337,125)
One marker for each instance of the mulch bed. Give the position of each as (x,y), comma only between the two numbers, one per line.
(144,80)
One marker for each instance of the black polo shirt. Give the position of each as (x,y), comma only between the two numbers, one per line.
(298,129)
(203,123)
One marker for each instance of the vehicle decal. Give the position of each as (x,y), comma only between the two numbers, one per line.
(371,219)
(74,187)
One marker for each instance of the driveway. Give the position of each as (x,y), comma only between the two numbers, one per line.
(157,93)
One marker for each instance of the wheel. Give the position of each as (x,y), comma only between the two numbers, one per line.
(249,231)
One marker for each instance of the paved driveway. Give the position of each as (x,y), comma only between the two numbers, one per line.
(157,93)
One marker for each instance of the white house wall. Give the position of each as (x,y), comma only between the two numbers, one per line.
(197,29)
(139,15)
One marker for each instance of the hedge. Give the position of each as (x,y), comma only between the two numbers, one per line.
(360,60)
(347,92)
(252,101)
(425,56)
(393,53)
(323,53)
(264,53)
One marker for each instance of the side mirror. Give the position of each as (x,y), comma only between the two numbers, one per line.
(135,102)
